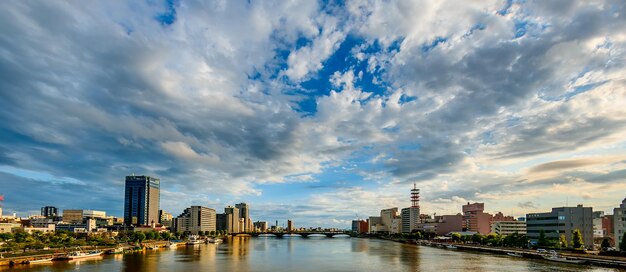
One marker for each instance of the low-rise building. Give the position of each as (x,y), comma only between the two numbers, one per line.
(561,221)
(508,227)
(51,227)
(260,226)
(442,224)
(9,227)
(598,232)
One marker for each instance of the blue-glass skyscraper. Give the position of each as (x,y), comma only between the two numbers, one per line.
(141,201)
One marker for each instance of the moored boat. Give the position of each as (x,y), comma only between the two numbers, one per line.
(514,254)
(451,247)
(561,259)
(79,254)
(117,250)
(45,260)
(193,240)
(214,240)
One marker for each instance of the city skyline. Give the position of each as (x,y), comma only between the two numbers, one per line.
(314,112)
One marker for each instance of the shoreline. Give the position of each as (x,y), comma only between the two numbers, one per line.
(591,260)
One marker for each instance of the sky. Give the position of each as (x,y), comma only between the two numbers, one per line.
(319,112)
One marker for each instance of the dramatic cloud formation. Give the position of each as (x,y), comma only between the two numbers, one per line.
(318,112)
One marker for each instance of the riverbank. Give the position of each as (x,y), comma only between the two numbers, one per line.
(127,248)
(588,259)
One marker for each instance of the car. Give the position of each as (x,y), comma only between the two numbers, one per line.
(552,252)
(541,250)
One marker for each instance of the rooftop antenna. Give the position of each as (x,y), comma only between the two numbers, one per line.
(415,197)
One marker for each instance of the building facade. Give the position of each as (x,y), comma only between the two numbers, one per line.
(165,219)
(244,213)
(141,201)
(195,219)
(73,216)
(375,224)
(508,227)
(260,226)
(410,219)
(442,224)
(232,221)
(619,223)
(49,211)
(387,216)
(561,221)
(598,231)
(475,219)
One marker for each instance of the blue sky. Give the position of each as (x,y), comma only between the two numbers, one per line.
(319,112)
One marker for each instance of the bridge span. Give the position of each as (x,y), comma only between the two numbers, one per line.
(304,234)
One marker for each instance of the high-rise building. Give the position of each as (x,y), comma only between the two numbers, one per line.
(141,202)
(195,219)
(563,220)
(232,219)
(411,215)
(244,213)
(475,219)
(49,211)
(290,227)
(619,222)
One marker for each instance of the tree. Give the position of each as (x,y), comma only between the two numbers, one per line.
(478,238)
(140,236)
(543,241)
(622,244)
(150,235)
(605,244)
(456,237)
(201,233)
(577,239)
(165,235)
(563,240)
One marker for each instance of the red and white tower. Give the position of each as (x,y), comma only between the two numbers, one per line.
(415,197)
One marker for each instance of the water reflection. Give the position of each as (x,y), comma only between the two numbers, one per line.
(305,254)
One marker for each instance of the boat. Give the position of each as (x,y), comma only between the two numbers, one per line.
(214,240)
(79,254)
(45,260)
(118,250)
(514,254)
(193,240)
(451,247)
(561,259)
(172,245)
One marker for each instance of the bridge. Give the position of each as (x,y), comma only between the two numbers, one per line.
(303,234)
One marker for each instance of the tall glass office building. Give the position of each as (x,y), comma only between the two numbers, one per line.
(141,201)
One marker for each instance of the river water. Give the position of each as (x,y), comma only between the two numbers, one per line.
(306,254)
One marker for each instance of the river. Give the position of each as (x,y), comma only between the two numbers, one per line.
(310,254)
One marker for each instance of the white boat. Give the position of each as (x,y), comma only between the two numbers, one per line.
(558,258)
(451,247)
(214,240)
(514,254)
(46,260)
(76,255)
(172,245)
(193,240)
